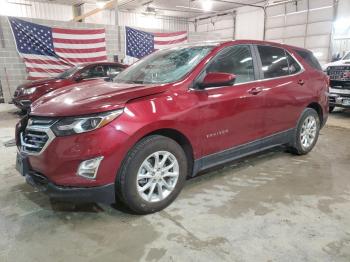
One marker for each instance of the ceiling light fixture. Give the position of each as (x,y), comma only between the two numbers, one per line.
(100,4)
(207,5)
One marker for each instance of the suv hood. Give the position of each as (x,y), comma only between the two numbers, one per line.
(93,97)
(336,63)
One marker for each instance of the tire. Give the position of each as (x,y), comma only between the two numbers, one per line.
(135,174)
(331,109)
(299,146)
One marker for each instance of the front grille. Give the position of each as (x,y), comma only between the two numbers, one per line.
(339,73)
(37,135)
(33,141)
(40,122)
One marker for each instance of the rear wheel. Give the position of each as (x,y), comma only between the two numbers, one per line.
(331,108)
(307,132)
(152,174)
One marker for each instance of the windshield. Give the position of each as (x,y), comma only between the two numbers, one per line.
(164,66)
(69,72)
(346,57)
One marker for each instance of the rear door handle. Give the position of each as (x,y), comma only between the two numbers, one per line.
(301,82)
(255,90)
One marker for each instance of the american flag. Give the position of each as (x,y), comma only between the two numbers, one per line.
(48,51)
(140,43)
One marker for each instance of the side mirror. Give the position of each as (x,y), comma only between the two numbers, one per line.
(217,79)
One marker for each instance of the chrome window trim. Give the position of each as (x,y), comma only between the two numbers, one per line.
(255,81)
(302,70)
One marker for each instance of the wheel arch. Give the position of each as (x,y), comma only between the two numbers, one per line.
(181,139)
(318,108)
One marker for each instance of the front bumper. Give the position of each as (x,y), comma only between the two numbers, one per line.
(339,97)
(100,194)
(58,158)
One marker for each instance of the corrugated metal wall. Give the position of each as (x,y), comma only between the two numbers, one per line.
(61,12)
(306,24)
(34,9)
(220,27)
(341,37)
(160,23)
(250,23)
(241,23)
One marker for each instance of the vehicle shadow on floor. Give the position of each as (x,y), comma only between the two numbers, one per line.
(341,112)
(119,209)
(46,203)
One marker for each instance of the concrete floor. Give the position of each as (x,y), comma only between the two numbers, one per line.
(271,207)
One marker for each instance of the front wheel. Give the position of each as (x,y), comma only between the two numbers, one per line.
(307,132)
(152,174)
(331,109)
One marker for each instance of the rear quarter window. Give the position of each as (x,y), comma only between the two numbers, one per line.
(309,58)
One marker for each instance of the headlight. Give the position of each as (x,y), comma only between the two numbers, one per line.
(29,91)
(77,125)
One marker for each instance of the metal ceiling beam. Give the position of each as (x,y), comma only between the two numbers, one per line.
(178,10)
(238,3)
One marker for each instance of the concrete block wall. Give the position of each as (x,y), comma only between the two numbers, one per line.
(12,69)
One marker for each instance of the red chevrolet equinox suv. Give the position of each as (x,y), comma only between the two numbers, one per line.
(169,116)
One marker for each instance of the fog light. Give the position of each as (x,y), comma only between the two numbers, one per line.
(88,168)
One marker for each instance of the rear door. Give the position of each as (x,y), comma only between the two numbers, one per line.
(230,115)
(285,87)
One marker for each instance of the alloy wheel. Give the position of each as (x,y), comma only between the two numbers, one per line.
(157,176)
(308,132)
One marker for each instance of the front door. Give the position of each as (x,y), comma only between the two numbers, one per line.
(231,115)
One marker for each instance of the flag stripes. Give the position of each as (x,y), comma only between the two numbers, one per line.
(49,51)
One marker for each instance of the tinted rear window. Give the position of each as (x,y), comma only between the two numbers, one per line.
(274,61)
(309,58)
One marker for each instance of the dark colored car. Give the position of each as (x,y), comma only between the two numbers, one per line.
(27,93)
(169,116)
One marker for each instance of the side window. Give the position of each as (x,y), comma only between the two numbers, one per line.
(114,69)
(94,71)
(274,61)
(234,60)
(309,58)
(294,67)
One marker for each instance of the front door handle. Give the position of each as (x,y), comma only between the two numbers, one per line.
(255,90)
(301,82)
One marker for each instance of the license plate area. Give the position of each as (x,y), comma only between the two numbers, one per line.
(346,102)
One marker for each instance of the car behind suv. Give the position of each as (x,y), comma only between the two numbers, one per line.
(339,74)
(27,93)
(169,116)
